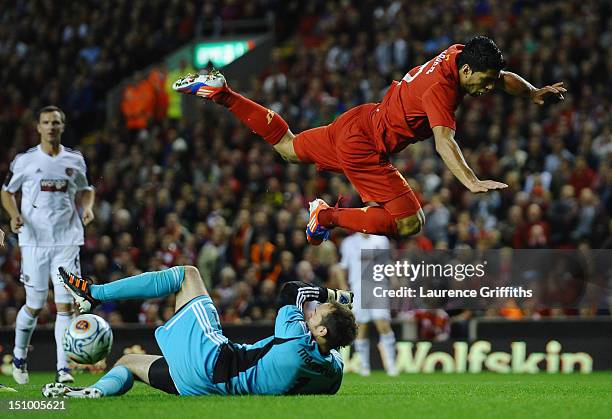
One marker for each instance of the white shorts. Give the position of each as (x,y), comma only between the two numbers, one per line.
(39,264)
(363,315)
(366,315)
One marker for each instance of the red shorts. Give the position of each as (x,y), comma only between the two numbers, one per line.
(347,146)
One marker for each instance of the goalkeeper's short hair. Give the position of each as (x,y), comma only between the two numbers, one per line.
(341,326)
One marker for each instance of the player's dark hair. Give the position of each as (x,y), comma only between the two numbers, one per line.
(481,54)
(51,108)
(341,326)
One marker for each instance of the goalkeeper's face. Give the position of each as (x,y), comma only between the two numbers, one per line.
(332,325)
(315,320)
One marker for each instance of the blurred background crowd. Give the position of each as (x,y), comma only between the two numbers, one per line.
(213,195)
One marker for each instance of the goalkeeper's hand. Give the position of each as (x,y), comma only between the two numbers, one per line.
(341,296)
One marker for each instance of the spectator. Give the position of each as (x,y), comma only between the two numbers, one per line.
(582,176)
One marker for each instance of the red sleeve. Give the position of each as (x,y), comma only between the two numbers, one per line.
(438,105)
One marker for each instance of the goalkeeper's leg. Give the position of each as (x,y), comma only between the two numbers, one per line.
(149,369)
(185,281)
(192,287)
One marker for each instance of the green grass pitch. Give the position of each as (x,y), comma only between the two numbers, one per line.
(484,395)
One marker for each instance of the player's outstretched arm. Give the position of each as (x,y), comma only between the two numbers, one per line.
(451,154)
(517,86)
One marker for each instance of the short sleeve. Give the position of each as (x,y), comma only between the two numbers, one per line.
(81,179)
(15,176)
(438,103)
(290,322)
(385,244)
(344,251)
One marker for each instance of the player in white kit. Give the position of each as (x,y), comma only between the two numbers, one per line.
(350,249)
(50,230)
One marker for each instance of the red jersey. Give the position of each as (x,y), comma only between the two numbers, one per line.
(426,97)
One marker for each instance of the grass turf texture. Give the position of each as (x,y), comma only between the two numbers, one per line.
(419,396)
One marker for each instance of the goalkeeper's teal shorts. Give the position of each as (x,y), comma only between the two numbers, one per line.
(190,342)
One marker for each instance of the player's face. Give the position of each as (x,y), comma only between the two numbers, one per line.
(316,317)
(478,83)
(50,127)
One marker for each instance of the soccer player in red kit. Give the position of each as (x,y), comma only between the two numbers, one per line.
(359,142)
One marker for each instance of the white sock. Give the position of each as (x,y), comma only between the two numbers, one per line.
(62,321)
(24,327)
(362,347)
(387,343)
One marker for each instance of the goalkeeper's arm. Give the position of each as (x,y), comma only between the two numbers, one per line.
(297,293)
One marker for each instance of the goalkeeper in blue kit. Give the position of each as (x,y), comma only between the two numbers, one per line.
(301,357)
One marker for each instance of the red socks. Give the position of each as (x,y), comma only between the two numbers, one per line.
(371,220)
(260,120)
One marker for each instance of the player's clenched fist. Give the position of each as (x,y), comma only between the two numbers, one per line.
(88,216)
(16,224)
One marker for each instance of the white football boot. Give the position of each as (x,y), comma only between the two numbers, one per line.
(203,85)
(55,390)
(20,371)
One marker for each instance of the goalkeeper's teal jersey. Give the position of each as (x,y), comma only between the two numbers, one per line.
(287,363)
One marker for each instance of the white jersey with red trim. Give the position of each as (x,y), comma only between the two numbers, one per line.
(48,185)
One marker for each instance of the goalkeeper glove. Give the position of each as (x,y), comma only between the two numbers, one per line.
(341,296)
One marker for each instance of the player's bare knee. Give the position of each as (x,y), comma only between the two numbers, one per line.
(362,330)
(192,277)
(383,326)
(63,308)
(409,226)
(124,360)
(138,364)
(34,311)
(193,284)
(129,361)
(285,148)
(192,273)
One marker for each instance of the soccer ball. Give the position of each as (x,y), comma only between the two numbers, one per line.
(88,339)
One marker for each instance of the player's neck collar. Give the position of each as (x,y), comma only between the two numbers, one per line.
(59,150)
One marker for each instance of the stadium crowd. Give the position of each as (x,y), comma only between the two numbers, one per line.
(213,195)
